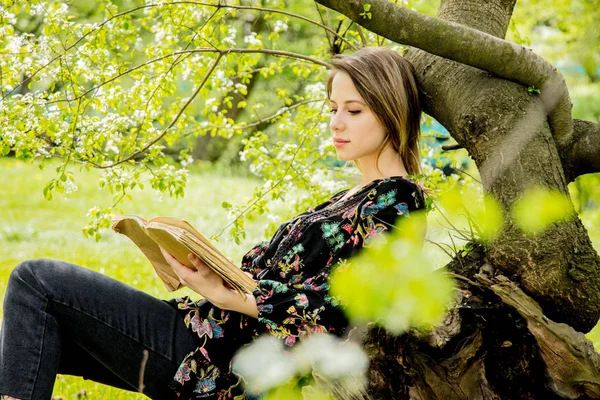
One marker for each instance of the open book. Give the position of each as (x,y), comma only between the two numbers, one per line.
(179,238)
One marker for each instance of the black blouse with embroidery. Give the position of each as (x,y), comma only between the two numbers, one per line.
(292,271)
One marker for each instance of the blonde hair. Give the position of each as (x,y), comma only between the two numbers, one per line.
(386,81)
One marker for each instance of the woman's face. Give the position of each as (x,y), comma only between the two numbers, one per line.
(356,131)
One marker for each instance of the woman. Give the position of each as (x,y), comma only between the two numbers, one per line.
(61,318)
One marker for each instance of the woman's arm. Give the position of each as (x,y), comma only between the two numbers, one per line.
(211,286)
(245,306)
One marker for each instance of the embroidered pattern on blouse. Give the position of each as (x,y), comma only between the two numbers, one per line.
(298,227)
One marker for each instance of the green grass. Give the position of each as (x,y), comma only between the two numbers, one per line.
(32,227)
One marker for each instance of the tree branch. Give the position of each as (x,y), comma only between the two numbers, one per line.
(463,44)
(582,155)
(279,53)
(244,125)
(280,180)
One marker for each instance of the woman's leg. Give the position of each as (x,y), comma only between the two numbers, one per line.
(62,318)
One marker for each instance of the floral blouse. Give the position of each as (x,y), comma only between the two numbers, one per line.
(292,271)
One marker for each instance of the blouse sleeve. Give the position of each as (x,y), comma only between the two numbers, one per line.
(256,251)
(291,310)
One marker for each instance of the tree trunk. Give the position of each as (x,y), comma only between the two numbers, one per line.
(505,130)
(515,333)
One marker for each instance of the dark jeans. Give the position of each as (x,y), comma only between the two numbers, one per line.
(65,319)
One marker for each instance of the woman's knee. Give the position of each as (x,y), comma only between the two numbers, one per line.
(36,273)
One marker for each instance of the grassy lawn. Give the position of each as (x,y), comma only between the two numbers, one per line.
(32,227)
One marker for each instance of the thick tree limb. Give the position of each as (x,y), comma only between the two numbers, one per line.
(468,46)
(496,344)
(582,155)
(572,362)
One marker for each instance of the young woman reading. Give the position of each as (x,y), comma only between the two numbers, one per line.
(60,318)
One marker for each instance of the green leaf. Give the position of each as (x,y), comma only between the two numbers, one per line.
(489,218)
(539,208)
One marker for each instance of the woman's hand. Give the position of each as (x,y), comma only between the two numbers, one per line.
(203,280)
(211,286)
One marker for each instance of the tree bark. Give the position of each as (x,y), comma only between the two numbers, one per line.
(515,333)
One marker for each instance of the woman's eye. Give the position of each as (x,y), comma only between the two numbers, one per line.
(354,112)
(333,111)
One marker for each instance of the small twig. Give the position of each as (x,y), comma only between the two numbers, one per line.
(462,171)
(330,40)
(459,231)
(464,278)
(253,124)
(449,147)
(440,246)
(142,369)
(363,39)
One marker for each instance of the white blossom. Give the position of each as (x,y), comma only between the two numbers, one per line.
(186,161)
(331,357)
(186,73)
(138,116)
(239,86)
(255,169)
(252,40)
(280,26)
(70,187)
(273,217)
(264,364)
(9,18)
(14,44)
(316,90)
(230,38)
(110,146)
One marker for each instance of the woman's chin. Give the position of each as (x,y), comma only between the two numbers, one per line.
(344,157)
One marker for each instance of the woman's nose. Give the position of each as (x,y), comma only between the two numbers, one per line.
(336,124)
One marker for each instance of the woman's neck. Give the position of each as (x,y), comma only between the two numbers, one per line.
(389,163)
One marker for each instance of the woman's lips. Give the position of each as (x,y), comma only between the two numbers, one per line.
(340,142)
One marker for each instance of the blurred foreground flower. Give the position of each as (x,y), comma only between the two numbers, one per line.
(268,368)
